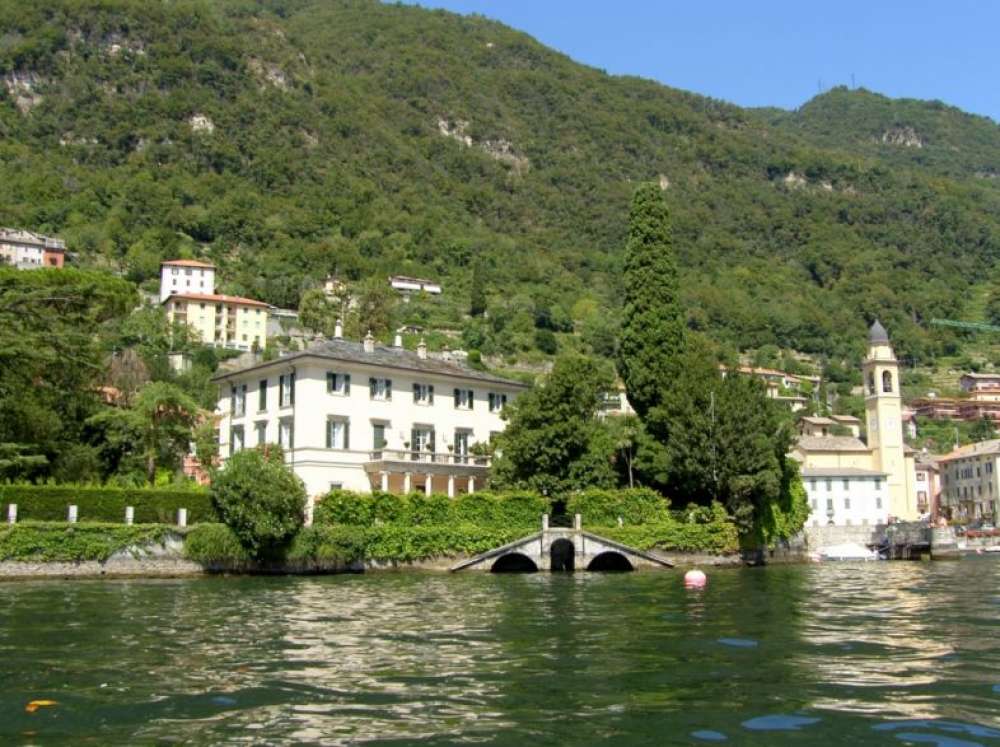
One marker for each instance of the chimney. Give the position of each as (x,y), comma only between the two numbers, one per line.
(421,348)
(338,330)
(397,341)
(369,343)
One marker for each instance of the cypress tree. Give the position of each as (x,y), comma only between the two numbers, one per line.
(477,294)
(652,334)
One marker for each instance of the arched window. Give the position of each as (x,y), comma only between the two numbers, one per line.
(871,382)
(886,381)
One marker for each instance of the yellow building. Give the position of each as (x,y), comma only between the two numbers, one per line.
(885,455)
(222,321)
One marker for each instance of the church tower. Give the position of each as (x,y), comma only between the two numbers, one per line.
(884,411)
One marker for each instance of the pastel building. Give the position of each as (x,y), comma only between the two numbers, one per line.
(969,481)
(364,416)
(30,251)
(878,476)
(222,321)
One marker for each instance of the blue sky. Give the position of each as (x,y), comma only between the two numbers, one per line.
(776,52)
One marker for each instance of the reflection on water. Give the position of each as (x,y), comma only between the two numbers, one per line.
(873,653)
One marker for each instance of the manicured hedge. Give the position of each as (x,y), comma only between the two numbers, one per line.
(523,510)
(604,507)
(714,537)
(106,504)
(40,541)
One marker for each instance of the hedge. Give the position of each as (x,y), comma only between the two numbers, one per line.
(605,507)
(61,542)
(106,504)
(341,507)
(715,537)
(214,543)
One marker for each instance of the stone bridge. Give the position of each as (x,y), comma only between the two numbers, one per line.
(562,549)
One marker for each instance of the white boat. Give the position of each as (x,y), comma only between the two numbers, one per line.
(847,551)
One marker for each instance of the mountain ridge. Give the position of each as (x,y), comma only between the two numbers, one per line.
(286,140)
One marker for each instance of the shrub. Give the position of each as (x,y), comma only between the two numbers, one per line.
(107,504)
(70,543)
(634,506)
(214,543)
(716,537)
(345,507)
(390,508)
(260,499)
(429,509)
(499,510)
(405,543)
(328,543)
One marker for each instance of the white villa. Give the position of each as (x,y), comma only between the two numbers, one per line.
(30,251)
(363,416)
(184,276)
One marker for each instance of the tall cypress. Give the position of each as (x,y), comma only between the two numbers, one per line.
(477,293)
(652,333)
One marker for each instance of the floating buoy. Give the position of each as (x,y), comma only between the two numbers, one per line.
(36,704)
(695,579)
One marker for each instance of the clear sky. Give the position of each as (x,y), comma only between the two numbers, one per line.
(776,52)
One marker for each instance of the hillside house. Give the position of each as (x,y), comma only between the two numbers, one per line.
(30,251)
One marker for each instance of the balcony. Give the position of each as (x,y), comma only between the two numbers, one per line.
(404,470)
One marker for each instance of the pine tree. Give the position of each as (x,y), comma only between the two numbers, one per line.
(652,334)
(477,293)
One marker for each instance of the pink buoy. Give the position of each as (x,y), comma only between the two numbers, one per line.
(695,579)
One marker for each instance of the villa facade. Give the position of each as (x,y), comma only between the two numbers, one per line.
(30,251)
(363,417)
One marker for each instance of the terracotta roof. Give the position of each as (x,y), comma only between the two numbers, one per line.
(831,443)
(815,420)
(845,418)
(981,448)
(187,263)
(217,299)
(383,356)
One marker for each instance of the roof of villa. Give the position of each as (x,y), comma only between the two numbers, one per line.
(215,298)
(840,472)
(831,443)
(845,418)
(187,263)
(978,449)
(816,420)
(383,356)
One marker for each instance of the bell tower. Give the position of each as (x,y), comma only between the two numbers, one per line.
(883,414)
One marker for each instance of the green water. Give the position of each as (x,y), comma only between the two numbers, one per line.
(889,653)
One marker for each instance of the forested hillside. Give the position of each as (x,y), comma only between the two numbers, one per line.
(288,139)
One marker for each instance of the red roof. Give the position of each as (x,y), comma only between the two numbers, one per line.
(216,299)
(188,263)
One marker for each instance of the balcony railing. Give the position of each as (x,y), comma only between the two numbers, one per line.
(428,457)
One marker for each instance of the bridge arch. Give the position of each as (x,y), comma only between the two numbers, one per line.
(514,562)
(562,555)
(610,561)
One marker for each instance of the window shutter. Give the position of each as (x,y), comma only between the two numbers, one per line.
(493,401)
(331,381)
(347,434)
(503,400)
(430,394)
(472,400)
(388,388)
(413,439)
(291,383)
(347,383)
(457,396)
(371,387)
(329,434)
(416,392)
(431,442)
(232,399)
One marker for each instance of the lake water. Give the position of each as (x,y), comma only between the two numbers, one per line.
(888,653)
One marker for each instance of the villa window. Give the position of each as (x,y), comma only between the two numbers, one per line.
(497,401)
(378,435)
(829,505)
(380,389)
(423,394)
(847,484)
(878,502)
(235,439)
(286,390)
(238,400)
(886,381)
(261,432)
(829,484)
(338,433)
(464,399)
(878,484)
(286,433)
(847,503)
(422,439)
(262,395)
(462,445)
(338,383)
